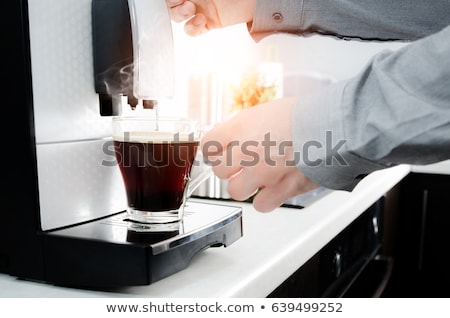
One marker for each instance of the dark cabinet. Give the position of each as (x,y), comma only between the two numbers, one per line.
(422,237)
(346,266)
(397,248)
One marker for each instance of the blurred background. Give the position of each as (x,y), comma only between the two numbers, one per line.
(215,70)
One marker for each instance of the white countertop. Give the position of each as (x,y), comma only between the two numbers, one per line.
(273,247)
(442,167)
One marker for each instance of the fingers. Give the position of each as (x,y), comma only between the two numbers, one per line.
(181,10)
(273,196)
(174,3)
(226,164)
(268,199)
(222,150)
(242,185)
(196,25)
(273,187)
(216,141)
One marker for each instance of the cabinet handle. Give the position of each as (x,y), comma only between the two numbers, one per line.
(337,263)
(376,229)
(422,229)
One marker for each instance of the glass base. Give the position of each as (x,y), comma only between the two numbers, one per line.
(159,230)
(155,217)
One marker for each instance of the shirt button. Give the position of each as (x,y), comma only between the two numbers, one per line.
(277,17)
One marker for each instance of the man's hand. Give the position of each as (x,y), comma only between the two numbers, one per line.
(205,15)
(253,151)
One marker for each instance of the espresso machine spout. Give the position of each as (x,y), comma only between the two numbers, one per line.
(133,53)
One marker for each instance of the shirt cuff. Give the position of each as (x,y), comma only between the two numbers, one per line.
(322,149)
(273,17)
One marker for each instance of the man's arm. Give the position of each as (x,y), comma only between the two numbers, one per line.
(397,110)
(363,19)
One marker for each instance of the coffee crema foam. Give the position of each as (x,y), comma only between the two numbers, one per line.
(157,137)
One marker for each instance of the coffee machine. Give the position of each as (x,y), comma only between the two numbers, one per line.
(69,66)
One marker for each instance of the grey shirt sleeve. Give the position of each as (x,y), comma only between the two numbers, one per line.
(361,19)
(397,110)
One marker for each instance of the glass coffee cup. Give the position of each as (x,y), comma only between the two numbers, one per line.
(156,158)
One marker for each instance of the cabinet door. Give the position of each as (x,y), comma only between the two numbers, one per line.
(336,267)
(422,237)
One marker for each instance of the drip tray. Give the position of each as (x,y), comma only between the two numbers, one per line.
(115,252)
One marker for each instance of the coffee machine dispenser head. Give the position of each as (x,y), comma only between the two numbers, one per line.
(133,52)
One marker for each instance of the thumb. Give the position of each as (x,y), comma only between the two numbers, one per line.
(196,25)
